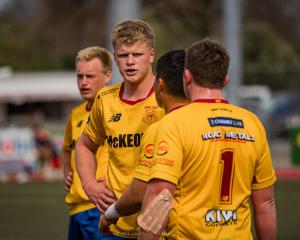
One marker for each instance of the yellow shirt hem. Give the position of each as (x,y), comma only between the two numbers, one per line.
(77,208)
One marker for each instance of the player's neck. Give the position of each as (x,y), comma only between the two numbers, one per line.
(173,103)
(138,90)
(198,92)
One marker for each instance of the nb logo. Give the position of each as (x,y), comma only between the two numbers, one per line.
(115,117)
(79,124)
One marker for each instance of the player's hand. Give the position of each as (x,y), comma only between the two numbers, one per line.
(68,181)
(104,224)
(100,195)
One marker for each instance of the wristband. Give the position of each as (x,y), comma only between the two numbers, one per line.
(111,212)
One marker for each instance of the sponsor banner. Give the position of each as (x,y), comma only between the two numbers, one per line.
(17,149)
(226,122)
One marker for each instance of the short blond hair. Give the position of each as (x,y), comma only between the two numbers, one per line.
(102,54)
(208,62)
(132,31)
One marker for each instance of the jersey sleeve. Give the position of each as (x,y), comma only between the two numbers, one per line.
(67,146)
(264,175)
(94,128)
(145,160)
(168,152)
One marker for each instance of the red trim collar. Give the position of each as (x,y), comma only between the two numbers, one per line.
(88,108)
(132,102)
(180,106)
(211,100)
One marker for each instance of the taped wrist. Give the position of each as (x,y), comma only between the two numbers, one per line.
(111,212)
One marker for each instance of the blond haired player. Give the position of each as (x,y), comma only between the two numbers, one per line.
(121,113)
(213,157)
(169,94)
(93,70)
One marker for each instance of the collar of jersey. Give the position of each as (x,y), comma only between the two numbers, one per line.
(202,100)
(87,108)
(133,102)
(180,106)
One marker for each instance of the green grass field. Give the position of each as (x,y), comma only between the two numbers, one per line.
(36,211)
(33,211)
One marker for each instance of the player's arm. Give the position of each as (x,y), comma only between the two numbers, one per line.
(155,187)
(264,208)
(262,194)
(85,160)
(132,199)
(97,191)
(129,203)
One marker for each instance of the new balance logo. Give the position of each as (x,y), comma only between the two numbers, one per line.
(115,117)
(79,124)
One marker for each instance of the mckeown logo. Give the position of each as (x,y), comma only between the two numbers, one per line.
(115,117)
(125,140)
(226,122)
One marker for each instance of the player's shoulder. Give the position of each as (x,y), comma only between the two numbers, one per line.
(246,116)
(108,91)
(79,108)
(153,126)
(181,111)
(175,115)
(243,112)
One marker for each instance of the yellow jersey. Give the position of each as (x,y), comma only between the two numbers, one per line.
(145,161)
(216,154)
(76,198)
(123,124)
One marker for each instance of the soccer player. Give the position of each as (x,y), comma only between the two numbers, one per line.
(215,158)
(169,95)
(93,69)
(121,113)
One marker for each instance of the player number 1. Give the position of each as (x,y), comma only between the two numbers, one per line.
(227,173)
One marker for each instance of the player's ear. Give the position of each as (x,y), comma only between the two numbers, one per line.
(161,85)
(108,76)
(152,55)
(226,80)
(187,77)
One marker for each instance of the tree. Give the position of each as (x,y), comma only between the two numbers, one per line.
(48,33)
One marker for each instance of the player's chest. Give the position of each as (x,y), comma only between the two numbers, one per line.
(78,125)
(130,120)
